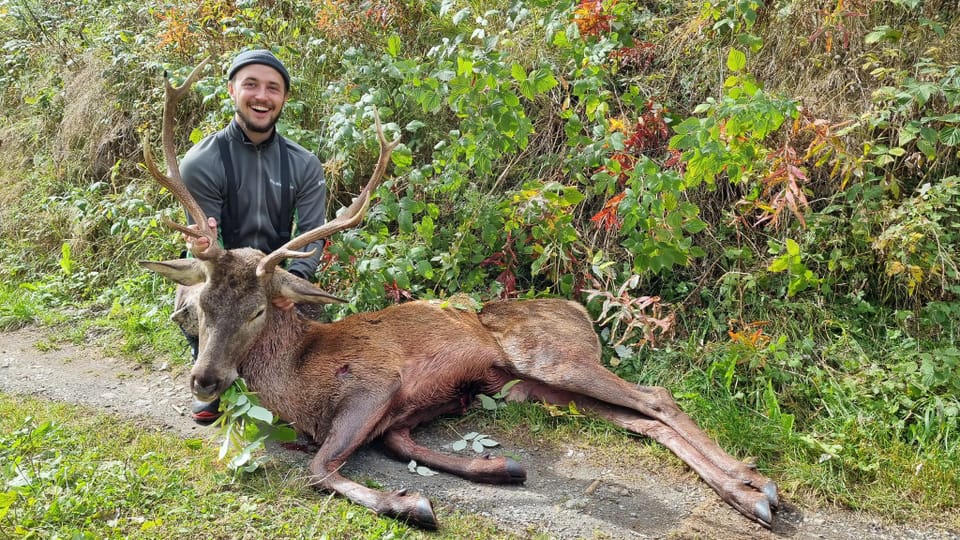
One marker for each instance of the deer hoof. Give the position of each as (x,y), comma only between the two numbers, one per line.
(762,513)
(422,514)
(515,471)
(770,491)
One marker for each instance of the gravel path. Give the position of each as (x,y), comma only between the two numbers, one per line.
(571,491)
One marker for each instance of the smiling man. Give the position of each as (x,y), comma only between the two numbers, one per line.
(251,182)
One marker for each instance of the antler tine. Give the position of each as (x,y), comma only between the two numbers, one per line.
(172,180)
(349,218)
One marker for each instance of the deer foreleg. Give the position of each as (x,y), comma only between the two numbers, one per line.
(490,470)
(412,508)
(752,503)
(347,432)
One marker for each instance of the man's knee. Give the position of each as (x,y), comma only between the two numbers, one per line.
(185,315)
(194,342)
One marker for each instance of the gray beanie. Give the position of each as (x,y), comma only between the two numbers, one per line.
(259,56)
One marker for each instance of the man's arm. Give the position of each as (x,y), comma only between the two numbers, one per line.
(311,206)
(202,173)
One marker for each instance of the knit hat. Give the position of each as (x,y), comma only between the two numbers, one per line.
(259,56)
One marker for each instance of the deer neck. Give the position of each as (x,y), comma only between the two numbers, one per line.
(269,367)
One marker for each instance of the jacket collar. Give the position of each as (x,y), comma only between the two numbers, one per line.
(236,132)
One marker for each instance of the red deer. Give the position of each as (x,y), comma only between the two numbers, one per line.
(379,375)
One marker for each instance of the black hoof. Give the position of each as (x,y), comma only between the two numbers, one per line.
(770,491)
(515,471)
(762,513)
(422,515)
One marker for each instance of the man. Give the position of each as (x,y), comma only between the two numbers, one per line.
(252,182)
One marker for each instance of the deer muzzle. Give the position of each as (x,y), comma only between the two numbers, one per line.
(207,386)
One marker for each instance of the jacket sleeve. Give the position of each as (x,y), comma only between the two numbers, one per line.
(311,206)
(202,173)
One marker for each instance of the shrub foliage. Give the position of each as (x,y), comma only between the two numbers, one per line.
(760,201)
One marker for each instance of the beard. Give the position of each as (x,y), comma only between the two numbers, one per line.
(265,126)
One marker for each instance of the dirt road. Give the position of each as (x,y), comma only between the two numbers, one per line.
(571,491)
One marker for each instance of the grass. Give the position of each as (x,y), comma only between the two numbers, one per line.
(828,454)
(17,308)
(121,327)
(68,471)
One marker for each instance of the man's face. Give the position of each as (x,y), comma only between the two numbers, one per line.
(258,94)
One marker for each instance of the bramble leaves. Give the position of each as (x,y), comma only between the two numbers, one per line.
(246,427)
(736,60)
(478,442)
(422,470)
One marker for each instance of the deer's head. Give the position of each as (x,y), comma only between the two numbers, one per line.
(234,288)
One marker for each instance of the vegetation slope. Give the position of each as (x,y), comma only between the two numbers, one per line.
(757,200)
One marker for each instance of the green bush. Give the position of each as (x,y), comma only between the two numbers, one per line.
(693,173)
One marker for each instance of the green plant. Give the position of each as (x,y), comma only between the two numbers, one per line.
(730,139)
(731,16)
(657,222)
(496,401)
(478,442)
(246,427)
(919,240)
(790,261)
(16,308)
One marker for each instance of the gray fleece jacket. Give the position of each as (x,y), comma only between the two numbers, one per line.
(257,184)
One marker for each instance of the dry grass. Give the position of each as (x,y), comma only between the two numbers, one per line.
(92,128)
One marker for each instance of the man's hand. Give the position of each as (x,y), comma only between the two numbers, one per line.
(199,245)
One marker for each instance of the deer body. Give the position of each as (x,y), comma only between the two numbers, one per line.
(378,375)
(381,355)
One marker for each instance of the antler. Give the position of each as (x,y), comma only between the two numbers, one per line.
(350,217)
(172,180)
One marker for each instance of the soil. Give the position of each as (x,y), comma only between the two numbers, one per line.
(572,490)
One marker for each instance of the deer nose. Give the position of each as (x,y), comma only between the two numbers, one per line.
(204,388)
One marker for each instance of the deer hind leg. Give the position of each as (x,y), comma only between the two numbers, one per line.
(347,432)
(553,342)
(737,493)
(656,404)
(490,470)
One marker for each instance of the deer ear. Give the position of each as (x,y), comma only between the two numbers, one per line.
(183,271)
(301,290)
